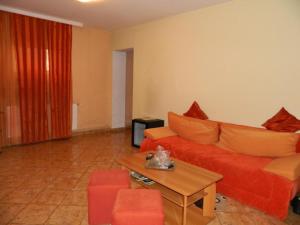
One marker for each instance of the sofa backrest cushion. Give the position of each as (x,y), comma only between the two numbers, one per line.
(196,130)
(257,141)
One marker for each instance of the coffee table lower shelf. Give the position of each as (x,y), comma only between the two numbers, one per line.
(174,205)
(173,214)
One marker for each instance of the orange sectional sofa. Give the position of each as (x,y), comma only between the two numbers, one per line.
(246,177)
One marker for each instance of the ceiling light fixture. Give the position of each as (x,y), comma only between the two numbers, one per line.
(86,1)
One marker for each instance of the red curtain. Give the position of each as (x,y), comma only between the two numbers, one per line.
(31,45)
(10,130)
(43,60)
(60,39)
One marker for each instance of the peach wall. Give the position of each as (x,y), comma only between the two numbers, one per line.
(240,60)
(91,71)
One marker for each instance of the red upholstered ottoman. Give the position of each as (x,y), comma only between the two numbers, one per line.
(102,191)
(138,207)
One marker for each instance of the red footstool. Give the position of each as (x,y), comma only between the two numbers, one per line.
(102,191)
(138,207)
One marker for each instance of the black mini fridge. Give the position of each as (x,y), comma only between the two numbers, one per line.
(138,127)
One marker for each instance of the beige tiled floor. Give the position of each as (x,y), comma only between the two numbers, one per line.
(46,183)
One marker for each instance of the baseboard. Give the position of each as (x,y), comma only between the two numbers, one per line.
(98,130)
(77,133)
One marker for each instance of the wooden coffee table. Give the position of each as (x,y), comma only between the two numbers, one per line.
(180,189)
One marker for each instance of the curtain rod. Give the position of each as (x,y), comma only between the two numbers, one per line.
(40,16)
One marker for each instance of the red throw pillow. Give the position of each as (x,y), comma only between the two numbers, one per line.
(196,112)
(283,121)
(298,145)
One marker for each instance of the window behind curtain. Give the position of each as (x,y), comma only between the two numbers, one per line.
(42,51)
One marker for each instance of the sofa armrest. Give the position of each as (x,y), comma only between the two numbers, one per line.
(159,132)
(288,167)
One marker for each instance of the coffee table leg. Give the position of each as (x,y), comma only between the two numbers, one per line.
(184,210)
(209,201)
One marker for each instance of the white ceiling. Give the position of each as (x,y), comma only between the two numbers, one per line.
(109,14)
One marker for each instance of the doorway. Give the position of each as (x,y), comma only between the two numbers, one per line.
(122,87)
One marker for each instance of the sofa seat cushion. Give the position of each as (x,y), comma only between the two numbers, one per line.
(244,177)
(288,167)
(242,170)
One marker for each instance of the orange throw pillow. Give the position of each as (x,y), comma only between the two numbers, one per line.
(159,132)
(283,121)
(298,146)
(257,141)
(288,167)
(196,112)
(196,130)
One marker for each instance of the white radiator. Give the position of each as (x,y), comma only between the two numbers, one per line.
(12,112)
(74,116)
(12,121)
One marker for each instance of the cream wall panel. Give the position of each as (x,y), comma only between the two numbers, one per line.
(240,60)
(91,71)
